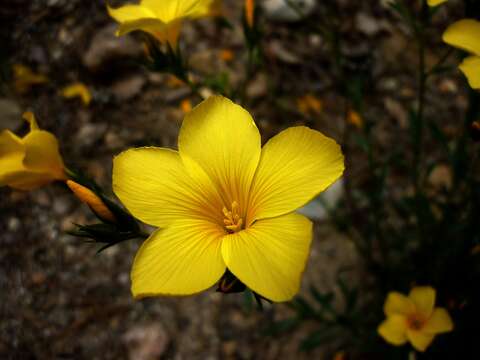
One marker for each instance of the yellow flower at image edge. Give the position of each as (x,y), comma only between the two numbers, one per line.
(435,2)
(465,35)
(414,318)
(223,202)
(162,18)
(32,161)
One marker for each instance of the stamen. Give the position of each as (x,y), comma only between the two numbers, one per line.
(233,222)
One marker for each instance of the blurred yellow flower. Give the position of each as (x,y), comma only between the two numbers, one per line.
(162,18)
(435,2)
(77,89)
(32,161)
(95,203)
(24,78)
(414,318)
(354,118)
(465,34)
(250,12)
(309,105)
(223,202)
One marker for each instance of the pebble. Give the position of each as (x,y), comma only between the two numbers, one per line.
(282,11)
(106,47)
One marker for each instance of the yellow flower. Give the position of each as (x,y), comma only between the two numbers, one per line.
(221,201)
(162,18)
(465,34)
(414,318)
(95,203)
(24,78)
(32,161)
(77,89)
(435,2)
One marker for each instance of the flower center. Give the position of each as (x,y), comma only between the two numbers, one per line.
(233,222)
(416,322)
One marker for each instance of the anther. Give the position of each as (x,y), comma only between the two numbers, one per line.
(233,222)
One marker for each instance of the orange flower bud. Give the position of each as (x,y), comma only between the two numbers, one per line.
(95,203)
(250,12)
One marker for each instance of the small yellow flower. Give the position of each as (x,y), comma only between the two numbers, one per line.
(414,318)
(223,202)
(32,161)
(309,105)
(77,89)
(465,34)
(24,78)
(162,18)
(354,118)
(250,12)
(95,203)
(435,2)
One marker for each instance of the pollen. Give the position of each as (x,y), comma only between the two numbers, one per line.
(233,222)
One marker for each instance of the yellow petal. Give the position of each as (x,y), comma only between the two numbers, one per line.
(12,153)
(471,69)
(222,138)
(398,304)
(24,78)
(169,33)
(168,10)
(393,330)
(270,256)
(155,187)
(183,259)
(77,89)
(32,161)
(423,297)
(295,166)
(29,117)
(42,154)
(435,2)
(419,340)
(26,179)
(439,322)
(130,13)
(464,34)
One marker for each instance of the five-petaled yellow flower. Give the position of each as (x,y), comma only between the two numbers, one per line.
(414,318)
(162,18)
(223,202)
(465,34)
(32,161)
(435,2)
